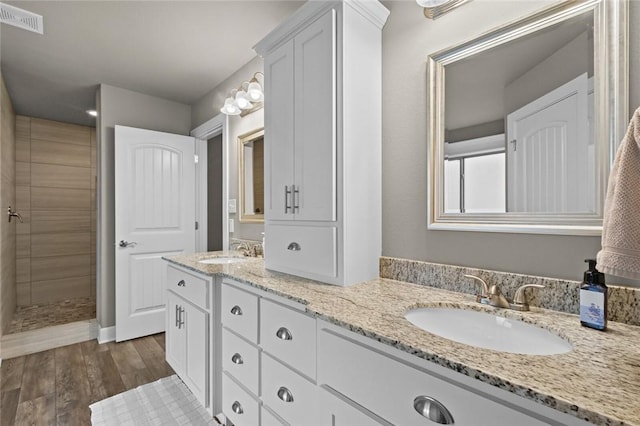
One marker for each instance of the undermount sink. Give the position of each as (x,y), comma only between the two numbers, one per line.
(488,331)
(221,260)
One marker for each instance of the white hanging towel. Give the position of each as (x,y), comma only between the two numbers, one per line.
(620,254)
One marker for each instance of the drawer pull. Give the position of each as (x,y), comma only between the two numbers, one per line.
(285,394)
(432,410)
(294,246)
(284,334)
(237,408)
(181,283)
(237,359)
(236,310)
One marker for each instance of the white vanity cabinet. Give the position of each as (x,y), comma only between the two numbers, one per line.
(323,141)
(403,389)
(268,359)
(281,366)
(192,335)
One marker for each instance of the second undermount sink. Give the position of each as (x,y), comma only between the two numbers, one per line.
(221,260)
(484,330)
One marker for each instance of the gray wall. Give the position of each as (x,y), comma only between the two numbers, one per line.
(408,38)
(127,108)
(207,108)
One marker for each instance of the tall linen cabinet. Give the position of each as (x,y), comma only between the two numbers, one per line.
(323,141)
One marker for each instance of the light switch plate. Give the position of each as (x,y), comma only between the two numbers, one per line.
(232,206)
(231,224)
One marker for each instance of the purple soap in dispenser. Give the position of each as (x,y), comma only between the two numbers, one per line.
(593,298)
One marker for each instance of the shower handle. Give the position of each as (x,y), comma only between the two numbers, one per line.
(11,213)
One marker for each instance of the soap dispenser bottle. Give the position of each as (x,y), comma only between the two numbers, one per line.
(593,298)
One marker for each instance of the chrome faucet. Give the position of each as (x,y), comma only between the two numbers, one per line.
(493,296)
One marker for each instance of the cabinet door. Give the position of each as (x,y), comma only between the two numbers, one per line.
(278,133)
(197,354)
(315,120)
(176,344)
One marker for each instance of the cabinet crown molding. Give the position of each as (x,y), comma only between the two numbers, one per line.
(373,10)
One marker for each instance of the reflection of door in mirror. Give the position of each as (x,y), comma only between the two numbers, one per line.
(517,135)
(251,162)
(548,153)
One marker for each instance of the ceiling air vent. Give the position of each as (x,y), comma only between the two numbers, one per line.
(21,18)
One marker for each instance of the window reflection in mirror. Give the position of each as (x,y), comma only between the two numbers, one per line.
(251,179)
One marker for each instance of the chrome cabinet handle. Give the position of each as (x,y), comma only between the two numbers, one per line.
(285,394)
(125,244)
(433,410)
(284,334)
(237,359)
(177,317)
(295,196)
(287,193)
(294,246)
(181,283)
(236,310)
(237,408)
(181,318)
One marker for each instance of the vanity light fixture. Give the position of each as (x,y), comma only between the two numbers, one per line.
(435,8)
(246,99)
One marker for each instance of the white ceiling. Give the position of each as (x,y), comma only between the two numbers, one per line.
(178,50)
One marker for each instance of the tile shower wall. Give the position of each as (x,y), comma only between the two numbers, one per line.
(55,193)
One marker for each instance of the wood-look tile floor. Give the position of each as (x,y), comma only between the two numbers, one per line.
(56,387)
(47,314)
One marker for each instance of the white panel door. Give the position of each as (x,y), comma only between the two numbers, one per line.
(315,121)
(155,217)
(278,132)
(547,154)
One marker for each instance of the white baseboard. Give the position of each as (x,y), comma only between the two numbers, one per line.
(106,334)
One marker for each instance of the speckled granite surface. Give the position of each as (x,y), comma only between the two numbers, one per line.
(598,381)
(558,295)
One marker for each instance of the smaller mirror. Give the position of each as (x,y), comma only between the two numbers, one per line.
(251,179)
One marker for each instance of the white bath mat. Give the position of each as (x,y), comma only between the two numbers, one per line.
(167,401)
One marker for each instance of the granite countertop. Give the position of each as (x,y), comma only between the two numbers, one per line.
(599,380)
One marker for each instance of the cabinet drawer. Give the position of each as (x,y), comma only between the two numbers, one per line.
(308,249)
(189,286)
(241,360)
(239,407)
(357,371)
(269,419)
(289,335)
(240,312)
(288,394)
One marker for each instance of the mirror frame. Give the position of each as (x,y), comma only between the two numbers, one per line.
(242,140)
(611,104)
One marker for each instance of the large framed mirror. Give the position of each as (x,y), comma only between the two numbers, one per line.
(251,176)
(524,122)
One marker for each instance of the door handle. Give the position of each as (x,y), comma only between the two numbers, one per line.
(125,244)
